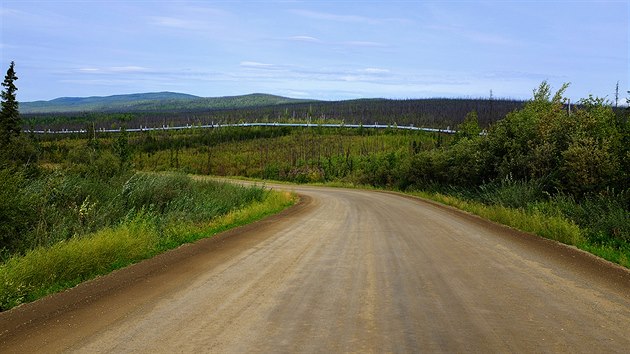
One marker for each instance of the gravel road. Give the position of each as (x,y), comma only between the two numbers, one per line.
(344,271)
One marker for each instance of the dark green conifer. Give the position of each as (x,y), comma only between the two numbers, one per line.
(10,120)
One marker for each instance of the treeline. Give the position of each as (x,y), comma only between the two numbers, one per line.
(439,112)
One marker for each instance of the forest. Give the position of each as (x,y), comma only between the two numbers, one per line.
(435,113)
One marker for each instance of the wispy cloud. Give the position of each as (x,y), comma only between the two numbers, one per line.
(129,69)
(354,43)
(9,12)
(191,18)
(356,19)
(473,35)
(256,65)
(335,17)
(179,23)
(304,39)
(375,71)
(518,75)
(293,93)
(114,70)
(34,19)
(256,70)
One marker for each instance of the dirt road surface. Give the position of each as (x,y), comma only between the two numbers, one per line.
(344,271)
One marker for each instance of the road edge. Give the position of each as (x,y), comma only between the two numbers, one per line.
(578,259)
(21,318)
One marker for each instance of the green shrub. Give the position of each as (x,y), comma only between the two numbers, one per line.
(605,217)
(511,193)
(153,191)
(16,215)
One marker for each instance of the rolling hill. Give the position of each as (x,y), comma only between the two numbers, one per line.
(152,102)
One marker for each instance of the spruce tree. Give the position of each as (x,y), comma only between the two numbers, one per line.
(10,121)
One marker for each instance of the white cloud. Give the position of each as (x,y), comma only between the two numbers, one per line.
(293,93)
(473,35)
(334,17)
(255,64)
(317,15)
(114,69)
(9,12)
(182,16)
(375,71)
(351,78)
(180,23)
(304,39)
(128,69)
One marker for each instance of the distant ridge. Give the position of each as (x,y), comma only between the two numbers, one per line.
(152,102)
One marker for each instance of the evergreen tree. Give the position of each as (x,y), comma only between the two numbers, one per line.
(10,121)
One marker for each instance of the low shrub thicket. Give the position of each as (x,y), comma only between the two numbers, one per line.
(60,205)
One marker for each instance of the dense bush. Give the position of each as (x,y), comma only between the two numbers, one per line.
(15,215)
(604,216)
(577,153)
(62,204)
(544,157)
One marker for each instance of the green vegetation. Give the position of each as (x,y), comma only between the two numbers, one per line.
(60,205)
(162,212)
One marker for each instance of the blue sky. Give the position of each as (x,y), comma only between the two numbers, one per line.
(315,49)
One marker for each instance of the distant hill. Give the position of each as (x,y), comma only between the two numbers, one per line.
(152,102)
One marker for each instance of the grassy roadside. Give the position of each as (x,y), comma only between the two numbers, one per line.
(554,227)
(46,270)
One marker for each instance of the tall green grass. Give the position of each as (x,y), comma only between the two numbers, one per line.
(48,269)
(599,224)
(162,212)
(554,227)
(58,206)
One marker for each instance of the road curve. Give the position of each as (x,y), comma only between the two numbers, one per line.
(344,271)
